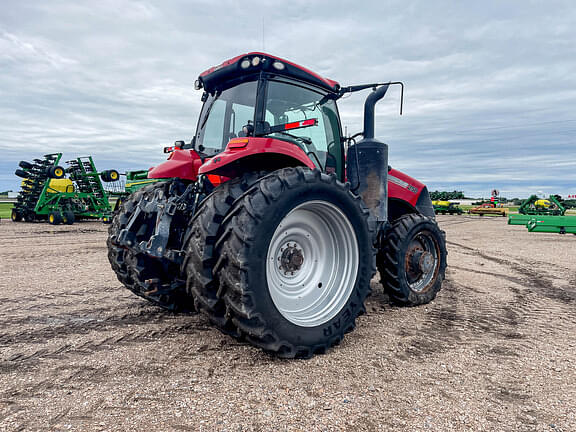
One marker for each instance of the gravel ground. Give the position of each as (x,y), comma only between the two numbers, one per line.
(495,351)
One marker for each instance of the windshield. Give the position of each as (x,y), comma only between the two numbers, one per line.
(223,116)
(287,103)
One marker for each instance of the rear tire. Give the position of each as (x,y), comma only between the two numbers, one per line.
(296,262)
(412,260)
(205,230)
(155,279)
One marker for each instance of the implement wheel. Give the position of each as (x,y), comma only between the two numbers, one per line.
(412,260)
(158,280)
(55,218)
(21,173)
(29,216)
(295,262)
(25,165)
(68,217)
(15,215)
(56,172)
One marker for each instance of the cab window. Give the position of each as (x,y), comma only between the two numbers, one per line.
(286,103)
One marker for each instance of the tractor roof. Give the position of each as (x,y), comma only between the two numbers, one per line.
(248,64)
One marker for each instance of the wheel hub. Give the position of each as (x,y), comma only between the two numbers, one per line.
(291,258)
(312,263)
(422,261)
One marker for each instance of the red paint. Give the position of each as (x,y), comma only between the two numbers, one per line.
(301,124)
(223,64)
(255,146)
(401,193)
(183,164)
(330,83)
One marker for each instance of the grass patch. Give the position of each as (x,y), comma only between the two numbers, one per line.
(5,209)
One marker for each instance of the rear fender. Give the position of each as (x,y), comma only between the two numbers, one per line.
(255,154)
(407,195)
(183,164)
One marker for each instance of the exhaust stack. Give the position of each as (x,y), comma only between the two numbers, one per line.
(367,167)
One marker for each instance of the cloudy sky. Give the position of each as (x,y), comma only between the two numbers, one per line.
(490,86)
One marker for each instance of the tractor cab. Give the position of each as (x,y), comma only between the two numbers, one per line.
(261,96)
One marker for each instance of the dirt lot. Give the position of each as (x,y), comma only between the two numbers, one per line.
(495,351)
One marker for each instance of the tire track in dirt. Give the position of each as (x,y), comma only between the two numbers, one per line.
(23,358)
(62,300)
(477,319)
(532,278)
(47,333)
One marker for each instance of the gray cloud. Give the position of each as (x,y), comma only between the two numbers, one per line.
(490,88)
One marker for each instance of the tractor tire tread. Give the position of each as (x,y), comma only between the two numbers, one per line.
(201,258)
(129,266)
(391,267)
(234,247)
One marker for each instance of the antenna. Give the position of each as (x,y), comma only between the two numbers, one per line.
(263,45)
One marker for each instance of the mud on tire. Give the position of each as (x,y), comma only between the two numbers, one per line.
(412,260)
(156,279)
(295,227)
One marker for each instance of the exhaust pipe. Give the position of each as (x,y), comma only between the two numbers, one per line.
(367,167)
(369,115)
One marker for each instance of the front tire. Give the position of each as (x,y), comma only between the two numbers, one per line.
(295,262)
(412,260)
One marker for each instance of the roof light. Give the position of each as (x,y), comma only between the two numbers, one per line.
(197,84)
(255,61)
(245,64)
(278,65)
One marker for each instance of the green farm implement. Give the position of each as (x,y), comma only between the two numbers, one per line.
(47,194)
(535,206)
(552,224)
(443,207)
(134,180)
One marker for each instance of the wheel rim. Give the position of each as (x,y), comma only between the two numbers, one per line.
(51,218)
(422,263)
(312,263)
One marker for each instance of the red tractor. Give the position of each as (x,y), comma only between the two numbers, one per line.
(270,221)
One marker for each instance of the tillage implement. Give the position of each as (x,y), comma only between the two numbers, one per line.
(270,221)
(47,194)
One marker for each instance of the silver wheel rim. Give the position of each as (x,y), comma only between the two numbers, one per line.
(312,263)
(421,278)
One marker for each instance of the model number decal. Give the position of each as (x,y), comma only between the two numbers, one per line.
(402,183)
